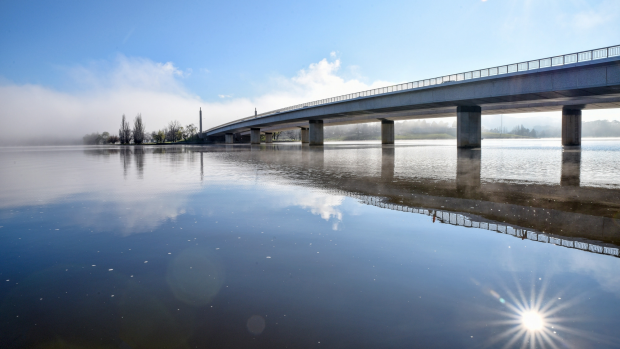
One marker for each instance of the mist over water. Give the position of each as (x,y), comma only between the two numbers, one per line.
(352,245)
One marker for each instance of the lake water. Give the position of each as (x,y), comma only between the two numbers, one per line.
(350,245)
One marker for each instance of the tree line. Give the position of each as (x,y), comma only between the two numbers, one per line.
(173,132)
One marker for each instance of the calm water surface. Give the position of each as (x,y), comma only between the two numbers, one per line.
(350,245)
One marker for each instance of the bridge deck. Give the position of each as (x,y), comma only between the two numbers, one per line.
(589,84)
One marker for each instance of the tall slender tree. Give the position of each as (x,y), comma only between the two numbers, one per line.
(124,133)
(138,130)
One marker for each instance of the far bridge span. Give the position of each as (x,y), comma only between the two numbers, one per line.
(571,83)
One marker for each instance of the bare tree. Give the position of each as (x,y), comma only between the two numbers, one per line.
(113,139)
(190,131)
(138,130)
(124,133)
(172,131)
(148,137)
(104,137)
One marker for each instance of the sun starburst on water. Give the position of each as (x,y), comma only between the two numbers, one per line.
(534,321)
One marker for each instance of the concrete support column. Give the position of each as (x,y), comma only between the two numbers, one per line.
(571,126)
(229,138)
(316,132)
(571,167)
(255,135)
(387,131)
(268,137)
(468,126)
(305,136)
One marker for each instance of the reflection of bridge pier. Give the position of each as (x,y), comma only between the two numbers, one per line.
(313,157)
(571,167)
(387,162)
(468,170)
(317,157)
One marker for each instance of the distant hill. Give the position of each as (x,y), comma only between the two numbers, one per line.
(550,126)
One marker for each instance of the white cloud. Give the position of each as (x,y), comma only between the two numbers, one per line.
(224,96)
(129,85)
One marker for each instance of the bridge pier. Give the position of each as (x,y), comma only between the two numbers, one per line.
(571,126)
(387,131)
(305,137)
(229,138)
(268,137)
(468,126)
(316,132)
(255,135)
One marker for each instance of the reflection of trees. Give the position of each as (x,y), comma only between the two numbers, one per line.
(125,159)
(175,155)
(139,157)
(106,152)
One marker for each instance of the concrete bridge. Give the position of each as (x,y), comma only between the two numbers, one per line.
(570,83)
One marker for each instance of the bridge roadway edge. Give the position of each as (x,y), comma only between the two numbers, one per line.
(595,84)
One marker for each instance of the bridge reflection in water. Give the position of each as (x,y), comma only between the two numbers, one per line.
(470,222)
(564,214)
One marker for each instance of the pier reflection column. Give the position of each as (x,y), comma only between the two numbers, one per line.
(313,157)
(571,167)
(387,163)
(468,126)
(316,132)
(468,170)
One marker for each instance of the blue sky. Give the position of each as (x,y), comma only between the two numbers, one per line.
(168,58)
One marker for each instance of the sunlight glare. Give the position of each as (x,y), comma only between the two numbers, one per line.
(532,321)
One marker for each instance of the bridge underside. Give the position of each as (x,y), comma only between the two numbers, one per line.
(587,85)
(592,103)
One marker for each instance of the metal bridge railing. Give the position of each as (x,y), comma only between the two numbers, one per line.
(568,59)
